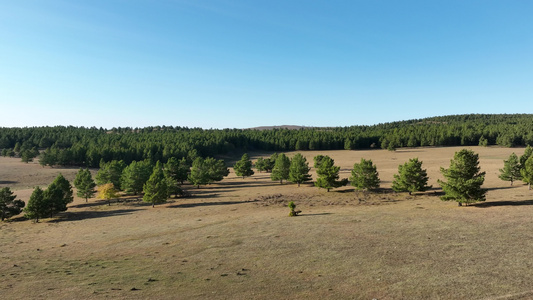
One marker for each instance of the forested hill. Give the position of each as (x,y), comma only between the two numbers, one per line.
(88,146)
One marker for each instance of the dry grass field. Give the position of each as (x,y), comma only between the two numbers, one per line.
(234,240)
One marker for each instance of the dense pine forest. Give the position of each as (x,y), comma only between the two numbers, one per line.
(81,146)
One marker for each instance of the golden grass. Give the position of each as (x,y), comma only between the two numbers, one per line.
(233,240)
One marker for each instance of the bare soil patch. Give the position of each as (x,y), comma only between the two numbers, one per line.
(234,240)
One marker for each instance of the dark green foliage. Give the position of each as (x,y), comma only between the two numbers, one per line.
(28,155)
(511,169)
(299,170)
(281,168)
(199,172)
(483,141)
(8,205)
(177,169)
(527,154)
(260,164)
(85,184)
(135,175)
(58,195)
(205,171)
(87,146)
(527,172)
(110,172)
(365,175)
(464,179)
(244,166)
(328,173)
(156,188)
(37,207)
(411,177)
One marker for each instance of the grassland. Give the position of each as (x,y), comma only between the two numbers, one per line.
(233,240)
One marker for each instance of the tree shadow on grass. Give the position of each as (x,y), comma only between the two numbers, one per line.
(501,188)
(8,182)
(502,203)
(199,204)
(84,215)
(317,214)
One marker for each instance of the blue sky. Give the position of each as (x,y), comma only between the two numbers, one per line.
(239,64)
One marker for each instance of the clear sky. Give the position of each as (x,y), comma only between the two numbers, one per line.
(247,63)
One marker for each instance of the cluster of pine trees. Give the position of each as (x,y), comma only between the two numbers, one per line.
(82,146)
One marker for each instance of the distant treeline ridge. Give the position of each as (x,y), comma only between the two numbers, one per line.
(89,146)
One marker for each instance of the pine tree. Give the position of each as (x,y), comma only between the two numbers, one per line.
(58,195)
(110,172)
(84,184)
(281,168)
(244,166)
(216,169)
(328,173)
(199,173)
(527,172)
(177,169)
(464,179)
(365,175)
(299,170)
(156,188)
(37,207)
(511,169)
(527,154)
(8,205)
(411,177)
(135,175)
(260,164)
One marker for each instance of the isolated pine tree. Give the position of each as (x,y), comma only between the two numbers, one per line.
(511,169)
(299,170)
(464,179)
(527,172)
(216,169)
(8,205)
(327,172)
(37,207)
(281,168)
(244,166)
(84,184)
(411,177)
(156,188)
(365,175)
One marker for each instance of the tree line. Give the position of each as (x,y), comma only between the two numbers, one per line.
(82,146)
(158,182)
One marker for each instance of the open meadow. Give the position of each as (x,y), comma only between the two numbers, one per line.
(234,239)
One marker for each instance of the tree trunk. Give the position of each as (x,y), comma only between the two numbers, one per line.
(153,204)
(460,204)
(298,184)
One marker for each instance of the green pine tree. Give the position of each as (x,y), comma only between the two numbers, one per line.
(8,205)
(299,170)
(37,207)
(511,169)
(328,173)
(244,166)
(85,184)
(156,188)
(527,172)
(281,168)
(58,195)
(135,175)
(110,172)
(464,179)
(199,173)
(365,175)
(411,177)
(527,154)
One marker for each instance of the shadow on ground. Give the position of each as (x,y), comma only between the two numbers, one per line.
(502,203)
(199,204)
(84,215)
